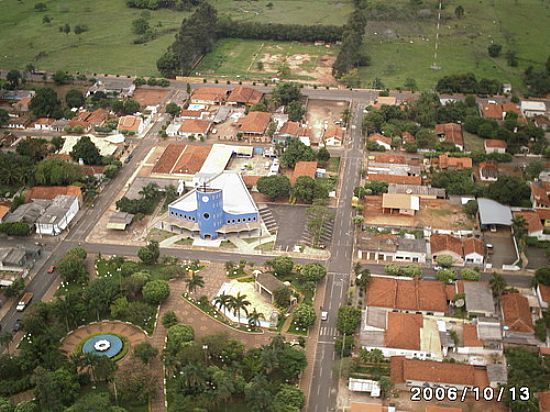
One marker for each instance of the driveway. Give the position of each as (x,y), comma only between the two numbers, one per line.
(504,249)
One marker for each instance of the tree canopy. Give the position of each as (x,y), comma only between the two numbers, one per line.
(86,150)
(274,187)
(45,103)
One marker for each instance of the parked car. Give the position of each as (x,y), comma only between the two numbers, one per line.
(17,326)
(51,269)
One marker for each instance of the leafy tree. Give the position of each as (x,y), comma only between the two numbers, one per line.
(80,28)
(444,261)
(86,150)
(304,315)
(313,272)
(57,142)
(130,106)
(254,319)
(351,78)
(15,228)
(149,254)
(93,402)
(177,336)
(72,268)
(57,172)
(274,187)
(494,50)
(34,148)
(145,352)
(61,77)
(344,345)
(285,92)
(281,265)
(317,216)
(55,390)
(258,394)
(135,383)
(509,190)
(376,188)
(511,58)
(4,117)
(173,109)
(288,399)
(470,274)
(348,321)
(307,190)
(74,98)
(14,78)
(140,26)
(425,138)
(519,226)
(323,155)
(15,289)
(533,169)
(386,385)
(445,275)
(295,111)
(470,208)
(410,84)
(282,296)
(239,303)
(169,319)
(156,291)
(296,151)
(542,275)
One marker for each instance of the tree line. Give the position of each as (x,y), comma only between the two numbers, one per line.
(468,83)
(182,5)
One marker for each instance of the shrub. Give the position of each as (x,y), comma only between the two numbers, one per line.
(445,275)
(470,274)
(156,291)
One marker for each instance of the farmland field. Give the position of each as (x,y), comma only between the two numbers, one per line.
(258,59)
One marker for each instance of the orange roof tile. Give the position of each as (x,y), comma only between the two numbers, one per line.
(517,315)
(4,211)
(452,133)
(209,94)
(532,219)
(377,137)
(290,128)
(195,126)
(540,190)
(443,243)
(255,122)
(168,158)
(544,292)
(450,291)
(390,158)
(191,160)
(408,138)
(250,181)
(446,161)
(470,336)
(473,245)
(495,143)
(403,331)
(245,95)
(304,168)
(544,214)
(406,180)
(403,369)
(334,131)
(413,294)
(129,123)
(544,401)
(45,121)
(190,113)
(51,192)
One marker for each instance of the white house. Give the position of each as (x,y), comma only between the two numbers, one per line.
(381,140)
(44,124)
(543,293)
(474,251)
(494,146)
(333,136)
(58,215)
(194,128)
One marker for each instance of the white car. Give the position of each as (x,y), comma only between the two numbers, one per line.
(324,315)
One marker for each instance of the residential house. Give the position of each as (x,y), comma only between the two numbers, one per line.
(87,120)
(450,133)
(474,251)
(385,247)
(407,295)
(22,105)
(454,163)
(4,210)
(304,168)
(254,126)
(333,136)
(540,192)
(411,250)
(57,216)
(543,294)
(423,192)
(408,138)
(186,114)
(426,373)
(27,213)
(393,165)
(245,96)
(534,224)
(17,123)
(194,128)
(516,313)
(544,216)
(406,334)
(494,146)
(131,124)
(118,86)
(493,214)
(381,140)
(399,203)
(18,258)
(446,245)
(497,111)
(44,124)
(209,95)
(531,108)
(293,130)
(78,126)
(478,297)
(51,192)
(488,171)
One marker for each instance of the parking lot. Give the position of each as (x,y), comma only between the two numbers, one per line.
(250,166)
(291,222)
(503,246)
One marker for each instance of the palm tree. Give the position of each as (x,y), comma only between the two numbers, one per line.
(229,266)
(222,301)
(497,284)
(519,225)
(149,191)
(254,319)
(238,304)
(362,279)
(194,282)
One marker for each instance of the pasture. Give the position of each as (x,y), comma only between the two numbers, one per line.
(258,59)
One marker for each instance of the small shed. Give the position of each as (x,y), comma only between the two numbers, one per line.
(119,220)
(267,283)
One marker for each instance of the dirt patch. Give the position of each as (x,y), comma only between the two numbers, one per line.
(300,65)
(322,113)
(149,97)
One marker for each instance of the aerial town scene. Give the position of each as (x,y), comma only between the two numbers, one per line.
(274,205)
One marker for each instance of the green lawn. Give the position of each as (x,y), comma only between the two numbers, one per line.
(237,57)
(473,142)
(408,50)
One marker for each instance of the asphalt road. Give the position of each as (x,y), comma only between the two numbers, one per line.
(324,386)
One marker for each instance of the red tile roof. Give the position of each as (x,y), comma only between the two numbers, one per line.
(517,315)
(51,192)
(195,126)
(377,137)
(44,121)
(405,180)
(255,122)
(544,292)
(544,401)
(303,168)
(544,214)
(209,94)
(470,336)
(443,243)
(408,138)
(403,331)
(4,211)
(250,181)
(129,123)
(403,370)
(495,143)
(190,113)
(245,95)
(334,131)
(446,161)
(532,219)
(452,132)
(473,245)
(390,158)
(290,128)
(540,190)
(415,294)
(181,159)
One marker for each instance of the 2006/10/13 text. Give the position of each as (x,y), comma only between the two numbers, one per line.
(479,394)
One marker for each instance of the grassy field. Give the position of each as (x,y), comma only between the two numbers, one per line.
(404,48)
(236,57)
